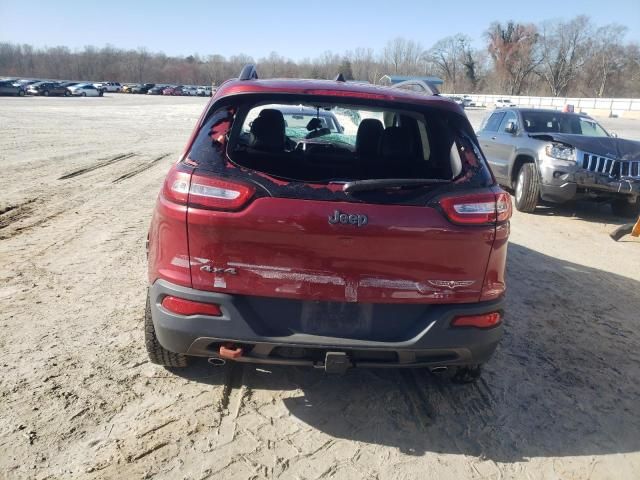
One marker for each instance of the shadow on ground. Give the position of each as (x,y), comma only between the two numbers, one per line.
(589,211)
(564,381)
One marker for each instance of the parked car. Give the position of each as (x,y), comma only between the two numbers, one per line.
(547,155)
(24,84)
(142,88)
(112,87)
(126,88)
(157,90)
(48,88)
(204,91)
(85,90)
(175,90)
(385,248)
(458,100)
(504,103)
(190,91)
(8,88)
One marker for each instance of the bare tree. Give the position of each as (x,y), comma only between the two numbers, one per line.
(605,60)
(447,55)
(512,49)
(563,52)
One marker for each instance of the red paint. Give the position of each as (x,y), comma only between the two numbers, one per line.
(287,248)
(334,89)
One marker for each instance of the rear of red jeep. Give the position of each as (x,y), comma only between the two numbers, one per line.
(331,225)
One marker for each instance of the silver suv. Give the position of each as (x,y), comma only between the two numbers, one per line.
(556,157)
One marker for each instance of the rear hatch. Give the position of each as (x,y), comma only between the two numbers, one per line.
(403,215)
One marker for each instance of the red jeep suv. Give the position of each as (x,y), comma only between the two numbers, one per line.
(328,224)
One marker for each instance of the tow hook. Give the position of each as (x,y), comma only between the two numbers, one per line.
(230,351)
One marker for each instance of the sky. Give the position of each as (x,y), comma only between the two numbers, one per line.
(294,29)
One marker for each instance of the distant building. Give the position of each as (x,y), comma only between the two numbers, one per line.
(393,79)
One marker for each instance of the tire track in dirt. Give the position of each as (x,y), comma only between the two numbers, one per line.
(140,169)
(12,213)
(418,401)
(100,164)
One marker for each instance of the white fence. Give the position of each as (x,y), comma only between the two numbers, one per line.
(624,107)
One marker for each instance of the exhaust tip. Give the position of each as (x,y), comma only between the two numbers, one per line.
(216,362)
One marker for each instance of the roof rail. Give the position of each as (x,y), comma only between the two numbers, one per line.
(339,78)
(248,72)
(424,87)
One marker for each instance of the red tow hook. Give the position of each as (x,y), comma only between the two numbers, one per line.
(230,351)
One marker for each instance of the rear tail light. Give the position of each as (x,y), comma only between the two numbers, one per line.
(176,185)
(218,194)
(186,307)
(486,320)
(203,191)
(477,209)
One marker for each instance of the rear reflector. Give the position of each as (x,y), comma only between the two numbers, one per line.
(185,307)
(486,320)
(477,209)
(218,194)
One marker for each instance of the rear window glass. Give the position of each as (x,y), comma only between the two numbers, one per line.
(313,142)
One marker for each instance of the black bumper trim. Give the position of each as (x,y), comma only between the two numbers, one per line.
(436,344)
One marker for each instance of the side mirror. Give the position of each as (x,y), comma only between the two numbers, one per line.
(511,128)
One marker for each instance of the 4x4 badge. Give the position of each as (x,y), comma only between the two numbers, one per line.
(348,218)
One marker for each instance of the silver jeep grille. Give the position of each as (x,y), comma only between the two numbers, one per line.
(609,166)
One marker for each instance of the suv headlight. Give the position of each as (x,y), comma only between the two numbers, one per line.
(561,152)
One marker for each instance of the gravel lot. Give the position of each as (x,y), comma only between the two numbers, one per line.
(78,399)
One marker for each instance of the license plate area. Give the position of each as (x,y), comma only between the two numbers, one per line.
(333,319)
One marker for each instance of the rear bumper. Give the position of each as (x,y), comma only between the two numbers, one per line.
(431,343)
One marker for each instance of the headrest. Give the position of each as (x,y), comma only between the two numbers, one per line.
(314,124)
(268,130)
(397,142)
(368,136)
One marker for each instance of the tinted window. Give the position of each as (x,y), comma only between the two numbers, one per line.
(559,122)
(493,122)
(508,117)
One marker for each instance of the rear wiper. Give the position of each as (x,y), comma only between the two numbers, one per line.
(385,183)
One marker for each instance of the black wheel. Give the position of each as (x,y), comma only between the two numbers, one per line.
(527,191)
(66,93)
(157,353)
(21,93)
(621,207)
(100,93)
(84,94)
(46,93)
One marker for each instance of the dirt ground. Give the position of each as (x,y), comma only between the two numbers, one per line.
(78,398)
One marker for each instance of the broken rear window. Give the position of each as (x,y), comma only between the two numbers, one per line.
(307,141)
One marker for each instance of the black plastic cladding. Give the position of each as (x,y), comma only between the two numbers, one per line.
(211,156)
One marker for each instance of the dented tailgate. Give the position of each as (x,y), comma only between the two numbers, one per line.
(338,251)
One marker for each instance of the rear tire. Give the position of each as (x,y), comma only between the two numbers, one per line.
(21,93)
(157,353)
(527,191)
(84,94)
(46,93)
(66,93)
(622,208)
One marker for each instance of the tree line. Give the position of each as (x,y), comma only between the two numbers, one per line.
(555,58)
